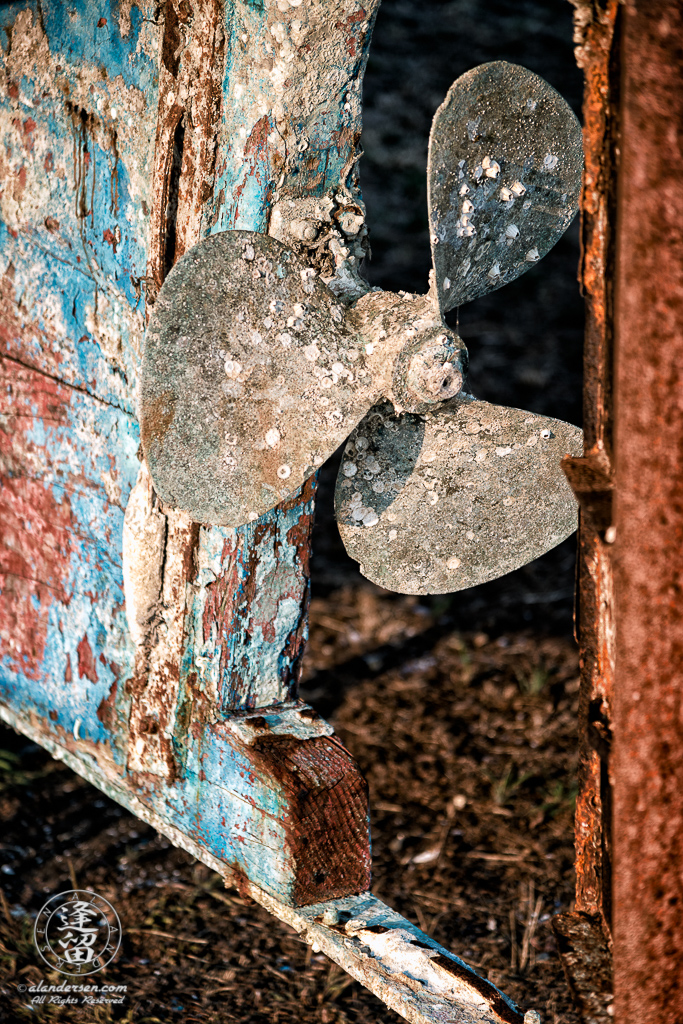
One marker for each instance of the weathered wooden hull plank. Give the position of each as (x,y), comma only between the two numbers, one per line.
(229,627)
(72,255)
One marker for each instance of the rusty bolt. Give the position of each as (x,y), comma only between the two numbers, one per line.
(350,222)
(304,230)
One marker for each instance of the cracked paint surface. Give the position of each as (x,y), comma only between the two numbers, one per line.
(72,262)
(76,161)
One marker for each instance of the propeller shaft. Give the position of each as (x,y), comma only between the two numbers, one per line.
(415,360)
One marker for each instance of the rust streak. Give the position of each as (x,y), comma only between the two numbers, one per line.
(484,987)
(160,418)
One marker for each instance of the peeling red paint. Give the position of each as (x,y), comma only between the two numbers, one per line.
(25,131)
(106,711)
(34,562)
(19,336)
(257,143)
(357,18)
(86,662)
(256,147)
(109,237)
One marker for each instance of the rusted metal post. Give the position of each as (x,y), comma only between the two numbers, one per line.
(584,935)
(648,706)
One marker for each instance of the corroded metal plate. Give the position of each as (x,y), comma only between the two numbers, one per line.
(251,378)
(437,503)
(504,175)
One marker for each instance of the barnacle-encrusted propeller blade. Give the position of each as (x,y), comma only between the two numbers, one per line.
(504,175)
(251,378)
(437,503)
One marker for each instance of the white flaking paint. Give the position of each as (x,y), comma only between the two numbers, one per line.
(144,535)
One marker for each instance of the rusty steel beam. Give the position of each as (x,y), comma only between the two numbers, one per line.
(584,935)
(648,554)
(592,475)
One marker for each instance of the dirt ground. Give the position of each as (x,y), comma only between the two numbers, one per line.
(461,710)
(468,743)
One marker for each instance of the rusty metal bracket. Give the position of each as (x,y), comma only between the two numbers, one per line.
(584,935)
(591,479)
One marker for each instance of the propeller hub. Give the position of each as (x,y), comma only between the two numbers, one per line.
(429,371)
(415,360)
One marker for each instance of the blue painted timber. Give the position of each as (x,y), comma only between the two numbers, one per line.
(127,136)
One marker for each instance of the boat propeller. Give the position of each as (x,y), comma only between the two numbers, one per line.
(254,371)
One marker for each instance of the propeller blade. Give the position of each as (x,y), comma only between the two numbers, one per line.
(437,503)
(504,176)
(251,378)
